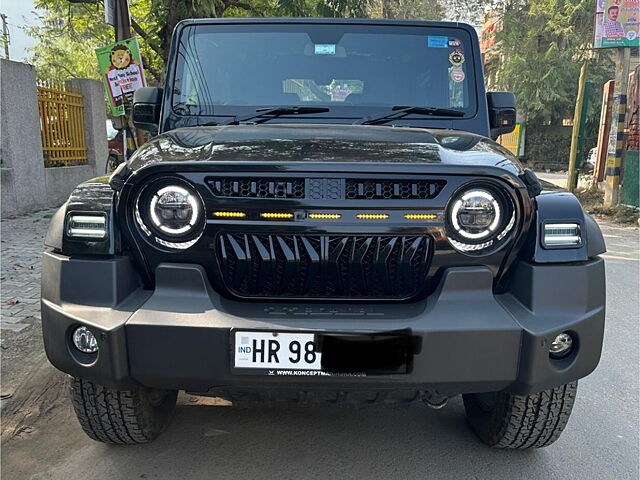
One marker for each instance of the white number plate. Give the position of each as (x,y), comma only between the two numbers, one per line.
(270,350)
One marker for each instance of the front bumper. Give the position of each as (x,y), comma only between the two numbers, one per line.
(179,335)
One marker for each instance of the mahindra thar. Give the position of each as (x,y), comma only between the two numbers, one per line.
(323,217)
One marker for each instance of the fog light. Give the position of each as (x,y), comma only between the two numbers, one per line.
(84,340)
(561,346)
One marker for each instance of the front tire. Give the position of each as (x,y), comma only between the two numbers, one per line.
(121,417)
(504,420)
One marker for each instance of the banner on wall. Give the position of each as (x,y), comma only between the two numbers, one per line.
(617,23)
(122,72)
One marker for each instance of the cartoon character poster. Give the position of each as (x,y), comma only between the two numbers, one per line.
(617,23)
(122,72)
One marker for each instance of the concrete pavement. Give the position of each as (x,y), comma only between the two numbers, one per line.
(42,440)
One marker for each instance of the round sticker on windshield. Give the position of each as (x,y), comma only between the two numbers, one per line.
(457,75)
(456,58)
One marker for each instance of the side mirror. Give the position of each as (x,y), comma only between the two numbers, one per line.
(147,102)
(502,113)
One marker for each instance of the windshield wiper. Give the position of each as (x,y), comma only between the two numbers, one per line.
(400,111)
(265,114)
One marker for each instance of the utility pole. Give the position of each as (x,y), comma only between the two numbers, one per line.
(123,20)
(5,35)
(577,117)
(615,157)
(122,27)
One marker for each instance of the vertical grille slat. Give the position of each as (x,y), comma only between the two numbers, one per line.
(323,266)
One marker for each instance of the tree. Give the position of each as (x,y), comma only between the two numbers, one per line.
(69,34)
(542,46)
(408,9)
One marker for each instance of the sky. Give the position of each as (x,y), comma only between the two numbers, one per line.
(19,13)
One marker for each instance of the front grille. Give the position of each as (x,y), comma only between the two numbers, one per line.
(325,188)
(255,187)
(323,266)
(392,189)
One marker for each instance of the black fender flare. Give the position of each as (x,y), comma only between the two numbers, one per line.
(564,207)
(92,196)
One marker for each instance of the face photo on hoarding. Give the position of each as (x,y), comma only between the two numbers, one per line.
(612,27)
(120,57)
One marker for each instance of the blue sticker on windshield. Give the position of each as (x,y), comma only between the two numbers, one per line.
(325,49)
(437,42)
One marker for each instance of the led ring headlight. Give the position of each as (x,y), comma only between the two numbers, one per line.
(174,210)
(478,217)
(170,214)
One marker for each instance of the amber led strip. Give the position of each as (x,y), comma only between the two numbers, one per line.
(421,216)
(229,214)
(372,216)
(325,216)
(277,215)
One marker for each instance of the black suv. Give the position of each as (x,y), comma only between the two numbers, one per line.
(324,218)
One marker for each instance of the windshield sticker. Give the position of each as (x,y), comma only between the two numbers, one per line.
(454,42)
(456,87)
(325,49)
(437,42)
(457,75)
(456,58)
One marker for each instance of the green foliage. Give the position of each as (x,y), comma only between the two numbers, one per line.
(69,34)
(410,9)
(547,147)
(542,47)
(66,39)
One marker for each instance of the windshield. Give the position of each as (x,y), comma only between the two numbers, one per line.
(222,67)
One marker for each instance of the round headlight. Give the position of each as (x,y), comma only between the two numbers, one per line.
(170,213)
(478,217)
(174,210)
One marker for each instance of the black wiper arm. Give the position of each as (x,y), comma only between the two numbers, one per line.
(265,114)
(400,111)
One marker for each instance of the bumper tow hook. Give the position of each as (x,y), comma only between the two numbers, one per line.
(435,400)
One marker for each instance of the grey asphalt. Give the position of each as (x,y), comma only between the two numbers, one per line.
(222,442)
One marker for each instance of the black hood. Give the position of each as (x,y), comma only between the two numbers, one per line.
(285,143)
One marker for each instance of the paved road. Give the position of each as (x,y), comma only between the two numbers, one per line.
(42,440)
(559,179)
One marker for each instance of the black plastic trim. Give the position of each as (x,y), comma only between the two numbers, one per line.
(177,336)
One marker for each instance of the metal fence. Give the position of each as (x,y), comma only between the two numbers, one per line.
(61,125)
(513,141)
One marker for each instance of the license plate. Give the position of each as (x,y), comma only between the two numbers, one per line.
(275,350)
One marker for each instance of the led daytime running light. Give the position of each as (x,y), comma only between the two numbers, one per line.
(372,216)
(229,214)
(421,216)
(276,215)
(325,216)
(87,226)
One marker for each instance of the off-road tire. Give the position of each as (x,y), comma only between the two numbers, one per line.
(121,417)
(514,421)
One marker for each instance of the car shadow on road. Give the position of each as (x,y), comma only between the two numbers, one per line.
(283,442)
